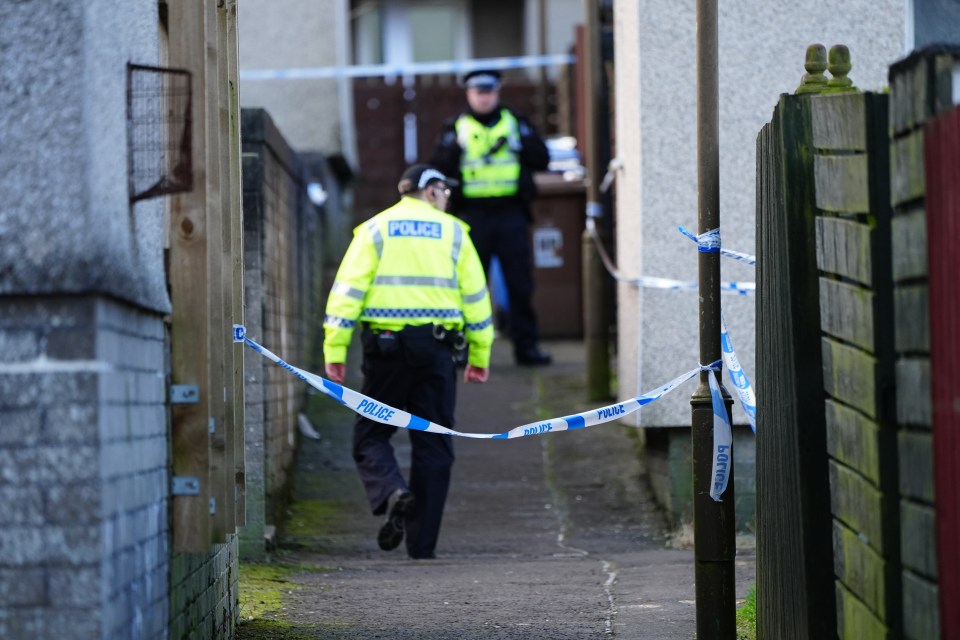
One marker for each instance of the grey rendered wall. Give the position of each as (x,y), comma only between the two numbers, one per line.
(278,34)
(65,222)
(761,50)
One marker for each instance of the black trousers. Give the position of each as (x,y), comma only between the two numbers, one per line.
(409,370)
(503,230)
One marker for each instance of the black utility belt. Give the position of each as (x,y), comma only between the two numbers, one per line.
(453,338)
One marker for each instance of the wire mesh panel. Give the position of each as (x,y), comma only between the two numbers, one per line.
(159,131)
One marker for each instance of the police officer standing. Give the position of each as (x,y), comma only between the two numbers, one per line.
(412,278)
(495,151)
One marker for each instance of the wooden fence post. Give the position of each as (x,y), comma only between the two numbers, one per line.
(236,262)
(206,285)
(189,343)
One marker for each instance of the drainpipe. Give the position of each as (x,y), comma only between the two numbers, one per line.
(596,285)
(543,104)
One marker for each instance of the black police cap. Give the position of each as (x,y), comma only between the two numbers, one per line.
(482,79)
(419,176)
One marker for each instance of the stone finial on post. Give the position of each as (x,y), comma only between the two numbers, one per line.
(839,66)
(813,80)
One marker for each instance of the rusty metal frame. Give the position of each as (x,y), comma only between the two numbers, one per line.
(159,131)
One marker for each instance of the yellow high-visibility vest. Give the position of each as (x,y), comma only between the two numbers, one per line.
(489,173)
(409,265)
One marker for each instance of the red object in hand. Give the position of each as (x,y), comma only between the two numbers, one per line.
(475,374)
(336,371)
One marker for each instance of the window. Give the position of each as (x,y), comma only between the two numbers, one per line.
(388,32)
(434,31)
(367,34)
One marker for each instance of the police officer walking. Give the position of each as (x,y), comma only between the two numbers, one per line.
(495,151)
(412,278)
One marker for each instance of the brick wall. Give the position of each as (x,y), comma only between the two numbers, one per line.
(283,269)
(669,462)
(83,470)
(203,596)
(282,321)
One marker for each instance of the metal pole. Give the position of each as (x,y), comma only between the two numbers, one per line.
(542,101)
(595,285)
(714,523)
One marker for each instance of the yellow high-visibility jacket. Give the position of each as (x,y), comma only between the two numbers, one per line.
(489,173)
(409,265)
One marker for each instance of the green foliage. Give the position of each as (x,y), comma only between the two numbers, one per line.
(747,616)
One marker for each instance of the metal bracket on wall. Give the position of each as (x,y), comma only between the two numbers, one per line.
(185,486)
(184,394)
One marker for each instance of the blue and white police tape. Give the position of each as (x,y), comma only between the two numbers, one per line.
(385,414)
(707,241)
(722,438)
(411,69)
(594,210)
(653,282)
(737,376)
(747,398)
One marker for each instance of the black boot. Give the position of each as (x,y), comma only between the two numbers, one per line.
(532,356)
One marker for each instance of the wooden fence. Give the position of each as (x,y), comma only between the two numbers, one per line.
(847,470)
(794,551)
(851,169)
(923,158)
(205,279)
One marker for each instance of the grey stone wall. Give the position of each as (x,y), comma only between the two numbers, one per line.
(83,462)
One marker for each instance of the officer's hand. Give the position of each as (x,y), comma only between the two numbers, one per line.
(336,371)
(475,374)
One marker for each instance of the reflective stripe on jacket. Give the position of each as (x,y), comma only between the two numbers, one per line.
(409,265)
(489,168)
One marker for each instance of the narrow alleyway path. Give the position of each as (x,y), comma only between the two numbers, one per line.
(552,536)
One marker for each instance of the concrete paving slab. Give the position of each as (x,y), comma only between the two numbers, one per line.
(550,536)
